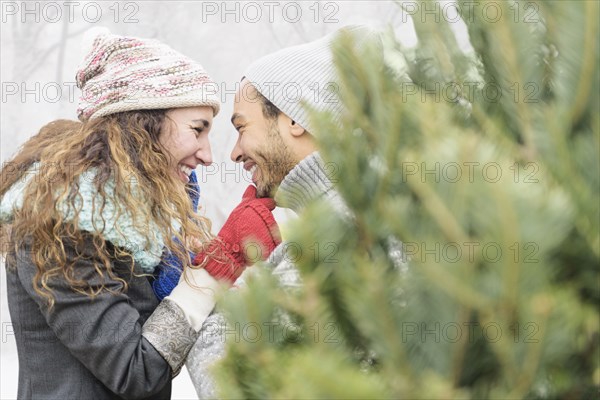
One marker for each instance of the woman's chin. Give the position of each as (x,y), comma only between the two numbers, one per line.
(182,177)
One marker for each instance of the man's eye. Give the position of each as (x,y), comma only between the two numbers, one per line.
(198,130)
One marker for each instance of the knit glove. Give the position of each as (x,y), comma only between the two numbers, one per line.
(251,221)
(195,295)
(170,267)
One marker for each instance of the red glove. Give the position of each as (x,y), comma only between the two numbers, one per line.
(250,222)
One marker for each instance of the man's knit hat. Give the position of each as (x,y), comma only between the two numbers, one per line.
(121,73)
(304,73)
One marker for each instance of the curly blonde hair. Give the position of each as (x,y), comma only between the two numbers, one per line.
(122,148)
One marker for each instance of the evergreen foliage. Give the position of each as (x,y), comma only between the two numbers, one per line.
(486,167)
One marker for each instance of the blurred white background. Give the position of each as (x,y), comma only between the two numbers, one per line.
(40,52)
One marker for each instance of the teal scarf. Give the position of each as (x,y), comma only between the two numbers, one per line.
(140,237)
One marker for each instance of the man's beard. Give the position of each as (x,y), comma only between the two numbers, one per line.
(274,162)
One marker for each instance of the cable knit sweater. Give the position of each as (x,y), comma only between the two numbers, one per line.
(305,183)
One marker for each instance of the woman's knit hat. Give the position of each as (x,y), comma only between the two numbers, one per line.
(305,74)
(121,73)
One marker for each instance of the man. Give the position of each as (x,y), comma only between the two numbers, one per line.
(276,144)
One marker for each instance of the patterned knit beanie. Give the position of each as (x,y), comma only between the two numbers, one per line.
(121,73)
(304,73)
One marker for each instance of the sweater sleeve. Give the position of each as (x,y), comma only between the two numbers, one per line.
(125,361)
(210,346)
(208,349)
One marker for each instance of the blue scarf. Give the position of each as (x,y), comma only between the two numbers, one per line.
(170,267)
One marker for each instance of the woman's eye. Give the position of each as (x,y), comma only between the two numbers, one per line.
(198,131)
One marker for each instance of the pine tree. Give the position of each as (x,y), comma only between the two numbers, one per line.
(486,167)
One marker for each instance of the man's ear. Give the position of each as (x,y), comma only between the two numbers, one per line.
(295,129)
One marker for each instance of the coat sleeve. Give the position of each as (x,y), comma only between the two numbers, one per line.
(210,347)
(105,333)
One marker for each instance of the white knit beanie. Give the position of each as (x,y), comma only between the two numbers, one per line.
(304,73)
(121,73)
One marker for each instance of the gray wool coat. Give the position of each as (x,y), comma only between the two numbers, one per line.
(84,348)
(118,344)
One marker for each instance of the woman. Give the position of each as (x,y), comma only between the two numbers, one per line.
(92,206)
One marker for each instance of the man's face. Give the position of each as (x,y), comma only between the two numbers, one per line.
(260,145)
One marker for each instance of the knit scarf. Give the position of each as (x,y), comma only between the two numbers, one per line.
(140,237)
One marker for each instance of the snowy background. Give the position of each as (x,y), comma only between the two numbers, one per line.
(40,51)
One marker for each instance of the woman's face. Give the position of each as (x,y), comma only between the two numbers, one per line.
(185,137)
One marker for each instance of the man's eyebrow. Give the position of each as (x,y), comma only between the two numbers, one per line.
(235,117)
(204,122)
